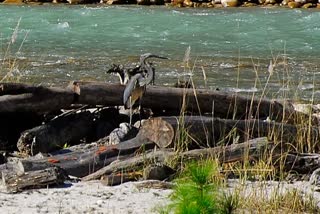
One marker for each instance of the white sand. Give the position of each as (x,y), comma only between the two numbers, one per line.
(85,197)
(94,197)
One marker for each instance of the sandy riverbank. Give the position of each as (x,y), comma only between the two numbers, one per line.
(85,197)
(131,197)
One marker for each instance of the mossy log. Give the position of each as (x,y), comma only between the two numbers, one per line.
(25,98)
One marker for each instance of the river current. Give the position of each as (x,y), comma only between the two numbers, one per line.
(229,49)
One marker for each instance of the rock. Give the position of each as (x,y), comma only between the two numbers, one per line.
(218,6)
(315,177)
(177,2)
(229,3)
(301,1)
(124,132)
(188,3)
(209,5)
(318,6)
(196,4)
(13,2)
(294,5)
(143,2)
(157,172)
(307,5)
(270,2)
(249,4)
(112,2)
(157,2)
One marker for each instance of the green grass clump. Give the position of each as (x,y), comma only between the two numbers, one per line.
(198,191)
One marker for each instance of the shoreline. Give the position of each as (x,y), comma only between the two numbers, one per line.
(216,4)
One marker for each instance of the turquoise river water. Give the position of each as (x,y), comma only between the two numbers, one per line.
(52,45)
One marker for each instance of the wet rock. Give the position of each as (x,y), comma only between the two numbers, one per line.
(294,5)
(230,3)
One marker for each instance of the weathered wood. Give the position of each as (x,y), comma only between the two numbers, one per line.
(41,178)
(158,131)
(119,178)
(210,132)
(300,163)
(220,104)
(68,129)
(254,149)
(39,99)
(81,163)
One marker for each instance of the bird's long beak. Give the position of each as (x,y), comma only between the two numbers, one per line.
(159,57)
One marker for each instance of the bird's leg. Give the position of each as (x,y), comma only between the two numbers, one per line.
(140,111)
(130,111)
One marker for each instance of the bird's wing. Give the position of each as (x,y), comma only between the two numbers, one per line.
(134,80)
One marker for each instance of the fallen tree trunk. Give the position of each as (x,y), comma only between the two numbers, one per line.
(82,163)
(220,104)
(13,182)
(253,149)
(210,132)
(68,129)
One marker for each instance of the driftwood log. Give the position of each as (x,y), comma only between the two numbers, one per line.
(25,98)
(69,129)
(254,149)
(210,132)
(13,182)
(81,163)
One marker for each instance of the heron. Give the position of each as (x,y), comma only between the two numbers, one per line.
(121,72)
(124,74)
(147,66)
(136,85)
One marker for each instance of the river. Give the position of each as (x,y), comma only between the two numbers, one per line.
(230,49)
